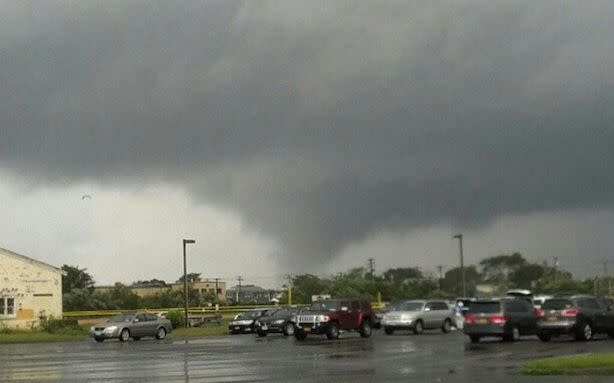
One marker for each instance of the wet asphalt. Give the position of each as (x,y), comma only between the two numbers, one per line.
(431,357)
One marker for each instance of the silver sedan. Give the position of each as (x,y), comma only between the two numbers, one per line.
(135,326)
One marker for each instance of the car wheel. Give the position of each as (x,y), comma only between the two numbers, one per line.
(365,329)
(512,336)
(300,335)
(388,330)
(124,335)
(475,338)
(584,332)
(262,333)
(161,333)
(99,339)
(136,337)
(289,329)
(544,337)
(333,331)
(418,328)
(447,326)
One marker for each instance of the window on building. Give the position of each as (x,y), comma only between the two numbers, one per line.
(7,306)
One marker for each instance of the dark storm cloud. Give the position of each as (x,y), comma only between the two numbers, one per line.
(319,123)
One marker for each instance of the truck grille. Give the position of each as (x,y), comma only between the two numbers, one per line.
(307,318)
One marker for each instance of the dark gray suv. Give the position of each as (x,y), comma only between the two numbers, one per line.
(580,316)
(508,318)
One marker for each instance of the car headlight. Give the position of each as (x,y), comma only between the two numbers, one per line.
(406,317)
(294,319)
(244,322)
(110,330)
(92,329)
(323,318)
(279,321)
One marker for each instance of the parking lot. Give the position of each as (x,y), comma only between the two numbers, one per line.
(431,357)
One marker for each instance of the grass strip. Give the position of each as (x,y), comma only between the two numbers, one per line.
(584,364)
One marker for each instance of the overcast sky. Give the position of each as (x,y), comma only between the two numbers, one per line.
(290,137)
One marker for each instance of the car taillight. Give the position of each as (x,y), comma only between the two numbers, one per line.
(469,319)
(497,319)
(539,313)
(569,313)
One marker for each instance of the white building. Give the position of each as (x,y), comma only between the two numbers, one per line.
(29,290)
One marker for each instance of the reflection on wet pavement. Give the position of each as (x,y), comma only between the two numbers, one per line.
(427,358)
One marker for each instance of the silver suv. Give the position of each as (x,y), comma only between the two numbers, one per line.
(418,315)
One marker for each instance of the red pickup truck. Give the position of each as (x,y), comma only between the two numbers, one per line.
(329,317)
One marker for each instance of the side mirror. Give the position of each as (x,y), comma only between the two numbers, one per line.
(344,308)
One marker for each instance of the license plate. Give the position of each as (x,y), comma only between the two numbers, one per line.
(237,328)
(307,329)
(551,319)
(482,321)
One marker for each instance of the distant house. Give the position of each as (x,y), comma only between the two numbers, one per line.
(250,294)
(29,290)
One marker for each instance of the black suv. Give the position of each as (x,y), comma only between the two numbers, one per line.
(581,316)
(508,318)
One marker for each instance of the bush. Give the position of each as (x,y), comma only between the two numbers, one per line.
(52,325)
(176,318)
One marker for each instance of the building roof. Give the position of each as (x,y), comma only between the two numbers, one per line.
(22,257)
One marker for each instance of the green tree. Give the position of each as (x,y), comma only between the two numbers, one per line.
(76,278)
(192,278)
(451,282)
(82,299)
(497,270)
(305,286)
(526,276)
(120,297)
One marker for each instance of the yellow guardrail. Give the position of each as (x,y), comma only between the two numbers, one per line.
(193,310)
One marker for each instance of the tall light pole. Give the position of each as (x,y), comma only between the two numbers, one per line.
(185,281)
(462,262)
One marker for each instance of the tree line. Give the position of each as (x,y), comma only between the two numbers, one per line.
(492,276)
(78,293)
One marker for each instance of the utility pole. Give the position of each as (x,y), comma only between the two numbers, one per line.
(289,277)
(462,263)
(555,266)
(372,270)
(239,279)
(217,294)
(440,269)
(185,281)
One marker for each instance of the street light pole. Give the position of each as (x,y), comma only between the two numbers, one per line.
(462,263)
(185,281)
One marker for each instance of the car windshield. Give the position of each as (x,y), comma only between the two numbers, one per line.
(324,306)
(410,306)
(122,318)
(248,315)
(281,313)
(557,304)
(485,307)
